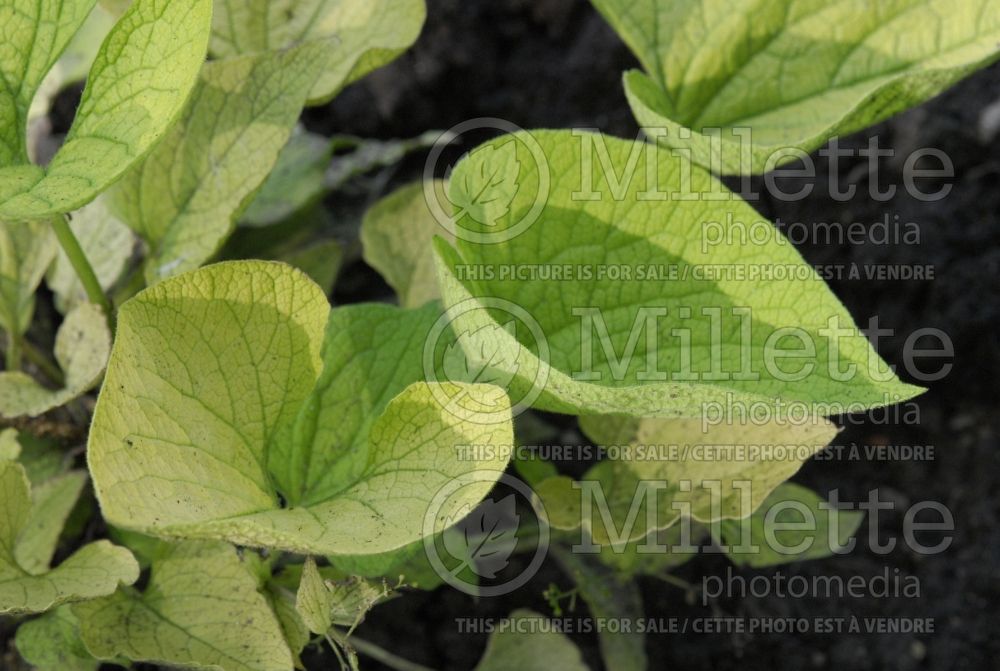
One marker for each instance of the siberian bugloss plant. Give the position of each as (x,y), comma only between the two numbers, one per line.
(268,468)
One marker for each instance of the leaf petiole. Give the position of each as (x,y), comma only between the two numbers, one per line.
(78,259)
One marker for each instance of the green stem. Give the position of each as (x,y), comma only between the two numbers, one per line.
(44,363)
(384,656)
(80,263)
(13,354)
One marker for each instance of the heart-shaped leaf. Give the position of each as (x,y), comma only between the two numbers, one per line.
(215,420)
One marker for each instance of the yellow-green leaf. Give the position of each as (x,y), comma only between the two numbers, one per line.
(202,609)
(137,86)
(94,570)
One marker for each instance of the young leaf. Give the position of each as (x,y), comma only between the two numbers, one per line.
(201,609)
(610,343)
(93,571)
(611,597)
(396,235)
(529,647)
(108,245)
(83,344)
(32,36)
(26,250)
(137,86)
(790,526)
(205,454)
(183,199)
(369,33)
(775,76)
(52,643)
(323,604)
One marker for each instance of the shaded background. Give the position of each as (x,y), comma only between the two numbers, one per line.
(555,63)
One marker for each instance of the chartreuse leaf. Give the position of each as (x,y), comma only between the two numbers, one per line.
(777,76)
(202,609)
(208,418)
(793,524)
(32,35)
(51,503)
(108,244)
(655,322)
(10,447)
(369,33)
(530,643)
(26,250)
(52,643)
(610,597)
(138,84)
(183,199)
(721,470)
(82,347)
(93,571)
(71,67)
(396,234)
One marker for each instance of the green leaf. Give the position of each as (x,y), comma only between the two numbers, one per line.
(791,525)
(325,603)
(729,468)
(51,503)
(82,347)
(295,183)
(201,610)
(42,458)
(10,448)
(107,243)
(369,33)
(611,598)
(209,411)
(297,634)
(26,250)
(72,67)
(52,643)
(396,235)
(137,86)
(530,644)
(32,37)
(93,571)
(606,343)
(184,198)
(777,70)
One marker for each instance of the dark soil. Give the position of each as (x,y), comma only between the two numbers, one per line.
(554,63)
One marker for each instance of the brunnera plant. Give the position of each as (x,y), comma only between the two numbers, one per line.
(245,429)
